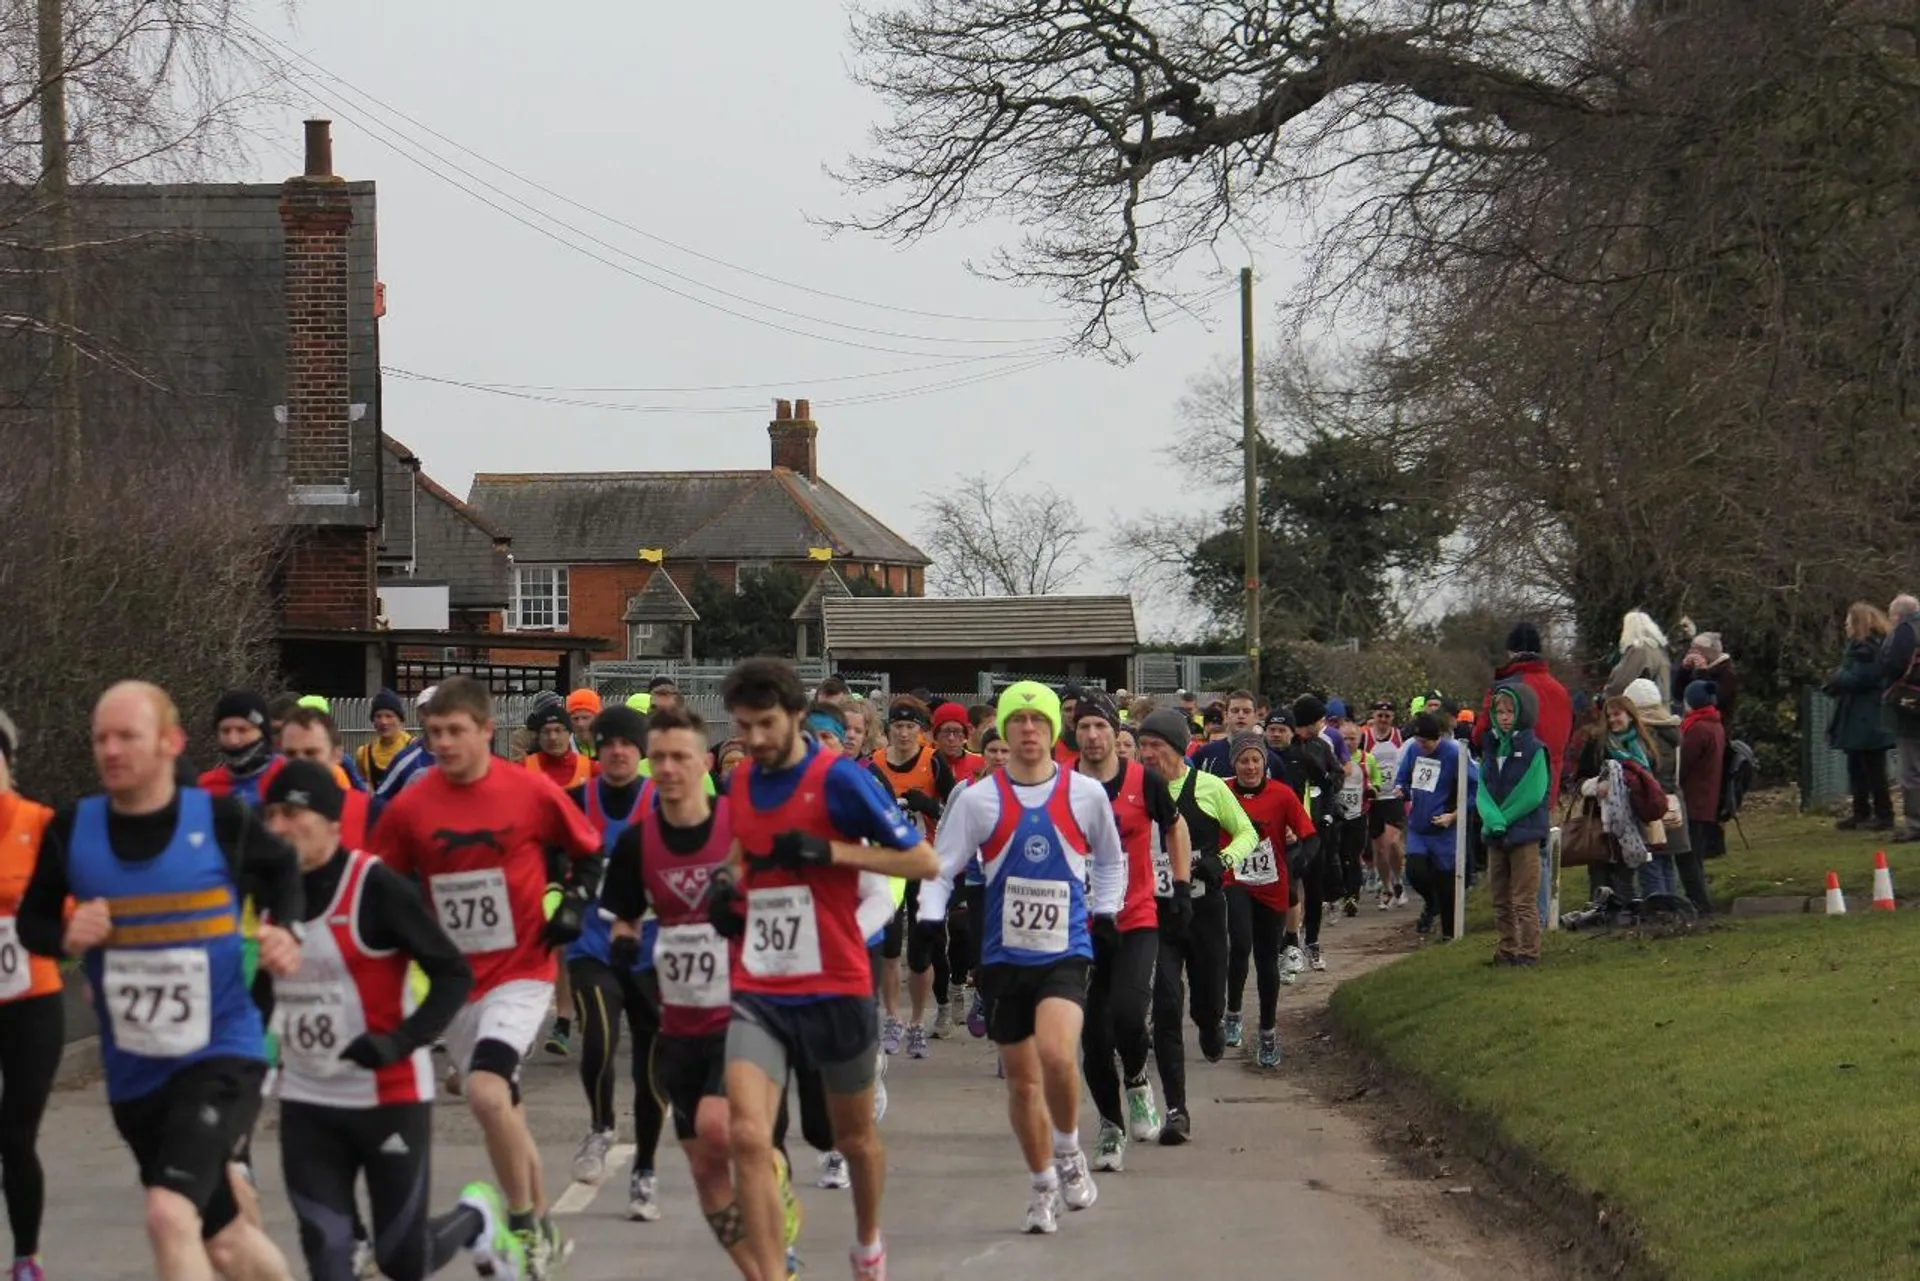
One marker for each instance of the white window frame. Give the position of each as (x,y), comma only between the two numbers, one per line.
(638,634)
(554,605)
(746,571)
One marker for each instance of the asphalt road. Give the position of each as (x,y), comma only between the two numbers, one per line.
(1275,1182)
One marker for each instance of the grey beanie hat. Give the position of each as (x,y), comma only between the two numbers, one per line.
(1245,741)
(1169,726)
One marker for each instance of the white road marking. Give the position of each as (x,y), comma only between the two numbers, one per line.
(579,1196)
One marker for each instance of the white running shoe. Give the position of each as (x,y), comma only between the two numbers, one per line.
(590,1162)
(1143,1114)
(1294,959)
(643,1198)
(1076,1183)
(833,1171)
(1043,1211)
(1110,1152)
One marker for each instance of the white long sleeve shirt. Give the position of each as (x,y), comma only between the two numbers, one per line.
(971,816)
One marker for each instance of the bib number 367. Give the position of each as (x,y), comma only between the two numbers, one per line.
(783,935)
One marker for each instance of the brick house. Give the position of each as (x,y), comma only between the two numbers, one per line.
(433,544)
(616,554)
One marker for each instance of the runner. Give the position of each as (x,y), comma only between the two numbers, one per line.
(1199,953)
(32,1020)
(1242,716)
(555,756)
(312,736)
(1315,867)
(1120,992)
(356,1077)
(1065,752)
(952,727)
(604,990)
(921,778)
(1044,907)
(973,892)
(394,755)
(1387,822)
(477,831)
(803,992)
(664,693)
(240,722)
(583,705)
(158,872)
(1260,885)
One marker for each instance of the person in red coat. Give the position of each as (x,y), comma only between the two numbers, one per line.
(1554,723)
(1703,757)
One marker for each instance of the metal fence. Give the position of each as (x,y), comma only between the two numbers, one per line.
(354,717)
(1823,771)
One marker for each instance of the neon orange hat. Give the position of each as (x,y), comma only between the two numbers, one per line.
(583,700)
(1466,716)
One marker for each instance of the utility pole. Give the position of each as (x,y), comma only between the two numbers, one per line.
(64,361)
(1249,435)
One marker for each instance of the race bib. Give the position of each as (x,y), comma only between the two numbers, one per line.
(1350,797)
(318,1018)
(691,961)
(1163,875)
(1034,914)
(474,910)
(1426,774)
(159,1003)
(1259,867)
(15,975)
(783,935)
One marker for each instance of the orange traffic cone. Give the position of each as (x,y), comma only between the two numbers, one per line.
(1836,901)
(1882,884)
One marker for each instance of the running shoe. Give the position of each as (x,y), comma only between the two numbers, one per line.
(793,1264)
(1294,959)
(1076,1184)
(590,1162)
(890,1033)
(496,1252)
(917,1047)
(1177,1130)
(833,1171)
(560,1039)
(365,1266)
(1315,961)
(1213,1043)
(977,1016)
(1233,1029)
(1350,906)
(789,1202)
(957,1007)
(1143,1114)
(551,1251)
(1043,1211)
(943,1023)
(1399,896)
(869,1267)
(30,1270)
(1110,1153)
(643,1196)
(1268,1055)
(1287,977)
(1386,900)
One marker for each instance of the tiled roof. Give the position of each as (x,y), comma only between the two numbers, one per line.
(571,518)
(447,539)
(826,583)
(660,601)
(979,626)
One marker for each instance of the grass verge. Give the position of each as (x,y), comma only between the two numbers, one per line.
(1749,1097)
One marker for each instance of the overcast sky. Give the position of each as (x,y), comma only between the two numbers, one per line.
(710,126)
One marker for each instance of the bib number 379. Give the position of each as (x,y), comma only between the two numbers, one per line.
(783,935)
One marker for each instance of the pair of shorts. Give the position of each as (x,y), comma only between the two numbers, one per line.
(836,1036)
(185,1134)
(1015,993)
(1387,811)
(687,1069)
(511,1015)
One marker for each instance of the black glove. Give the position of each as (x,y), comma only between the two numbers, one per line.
(920,803)
(1105,932)
(1176,913)
(568,922)
(625,951)
(373,1051)
(723,906)
(793,851)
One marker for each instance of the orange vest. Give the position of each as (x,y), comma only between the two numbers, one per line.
(22,823)
(583,769)
(919,774)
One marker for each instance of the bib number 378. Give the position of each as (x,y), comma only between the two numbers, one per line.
(474,909)
(783,935)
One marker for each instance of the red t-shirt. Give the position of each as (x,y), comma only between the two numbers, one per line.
(1276,813)
(966,767)
(480,850)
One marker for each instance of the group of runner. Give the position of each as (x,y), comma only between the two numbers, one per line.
(1072,879)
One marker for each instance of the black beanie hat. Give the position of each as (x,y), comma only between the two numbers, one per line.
(545,714)
(623,722)
(241,704)
(388,701)
(1427,725)
(309,785)
(1307,709)
(1096,703)
(1523,639)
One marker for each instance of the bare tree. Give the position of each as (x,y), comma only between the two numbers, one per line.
(988,538)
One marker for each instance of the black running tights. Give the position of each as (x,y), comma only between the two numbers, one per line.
(32,1033)
(601,996)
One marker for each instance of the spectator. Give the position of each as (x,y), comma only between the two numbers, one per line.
(1661,873)
(1896,662)
(1706,659)
(1858,724)
(1516,780)
(1553,723)
(1703,765)
(1643,655)
(1616,734)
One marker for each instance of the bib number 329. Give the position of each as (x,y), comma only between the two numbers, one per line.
(1035,915)
(160,1003)
(783,935)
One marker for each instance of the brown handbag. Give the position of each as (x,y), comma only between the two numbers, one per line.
(1583,838)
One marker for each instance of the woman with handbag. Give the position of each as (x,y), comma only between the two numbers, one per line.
(1857,726)
(1618,737)
(1667,836)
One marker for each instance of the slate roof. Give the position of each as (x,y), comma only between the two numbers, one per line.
(583,517)
(455,543)
(979,626)
(660,601)
(181,291)
(825,584)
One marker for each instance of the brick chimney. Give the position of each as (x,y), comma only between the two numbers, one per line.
(316,212)
(795,435)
